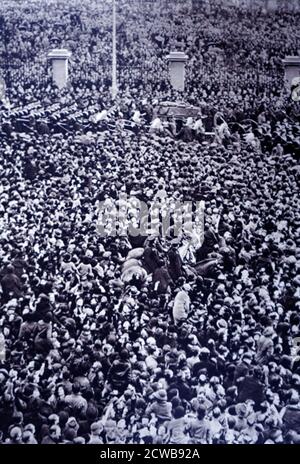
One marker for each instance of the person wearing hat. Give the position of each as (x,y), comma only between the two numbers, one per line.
(181,305)
(265,346)
(28,437)
(71,426)
(177,427)
(200,429)
(79,441)
(205,364)
(150,257)
(161,279)
(290,413)
(54,436)
(75,400)
(43,335)
(242,368)
(95,435)
(11,284)
(119,373)
(160,406)
(252,387)
(110,432)
(175,266)
(15,436)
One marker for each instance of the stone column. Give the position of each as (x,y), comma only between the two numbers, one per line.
(291,69)
(2,89)
(177,61)
(59,59)
(271,5)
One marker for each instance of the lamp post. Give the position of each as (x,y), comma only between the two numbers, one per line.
(6,34)
(114,87)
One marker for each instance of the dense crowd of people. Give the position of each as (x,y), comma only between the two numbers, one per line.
(156,337)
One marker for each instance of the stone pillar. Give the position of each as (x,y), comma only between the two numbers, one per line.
(271,5)
(291,69)
(59,59)
(177,62)
(2,89)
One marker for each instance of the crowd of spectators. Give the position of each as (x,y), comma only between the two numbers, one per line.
(158,338)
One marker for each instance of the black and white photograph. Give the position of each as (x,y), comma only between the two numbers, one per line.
(149,224)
